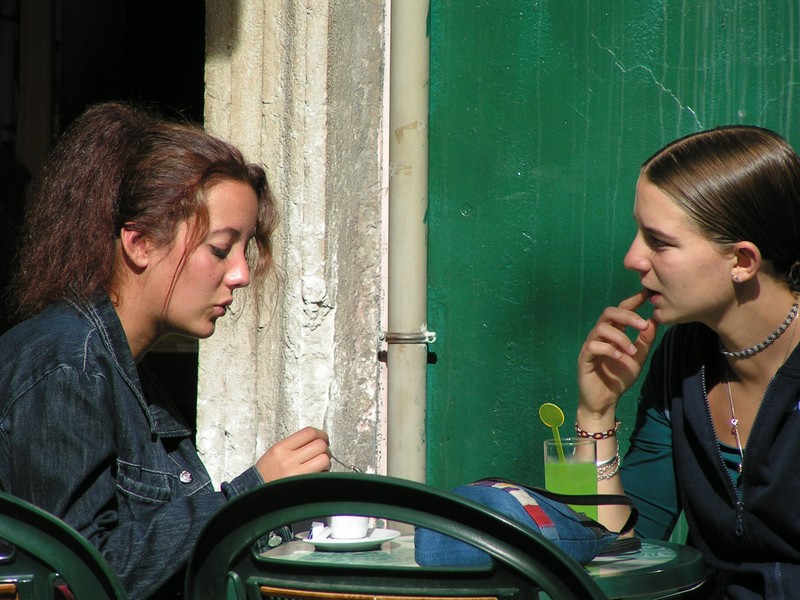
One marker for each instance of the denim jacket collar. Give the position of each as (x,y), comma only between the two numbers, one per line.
(103,317)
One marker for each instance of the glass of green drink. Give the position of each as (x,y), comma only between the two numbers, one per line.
(570,467)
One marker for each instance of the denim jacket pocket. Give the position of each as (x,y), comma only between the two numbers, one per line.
(142,489)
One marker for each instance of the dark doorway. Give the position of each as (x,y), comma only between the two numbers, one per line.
(59,56)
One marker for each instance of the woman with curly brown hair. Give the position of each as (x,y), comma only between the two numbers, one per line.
(142,228)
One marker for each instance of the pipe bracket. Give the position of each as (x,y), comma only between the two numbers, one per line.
(419,337)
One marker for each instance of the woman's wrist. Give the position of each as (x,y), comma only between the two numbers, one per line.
(609,468)
(596,421)
(603,429)
(597,435)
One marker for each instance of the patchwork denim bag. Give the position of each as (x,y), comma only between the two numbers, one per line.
(544,513)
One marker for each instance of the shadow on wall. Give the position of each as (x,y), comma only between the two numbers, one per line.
(222,27)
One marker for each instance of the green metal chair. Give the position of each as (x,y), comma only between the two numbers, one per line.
(39,552)
(225,564)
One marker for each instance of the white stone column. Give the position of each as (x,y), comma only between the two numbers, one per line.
(298,85)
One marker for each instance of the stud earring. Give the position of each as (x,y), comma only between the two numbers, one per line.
(735,278)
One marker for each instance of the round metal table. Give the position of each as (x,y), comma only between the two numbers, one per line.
(657,570)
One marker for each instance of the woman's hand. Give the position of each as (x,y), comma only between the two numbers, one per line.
(609,363)
(305,451)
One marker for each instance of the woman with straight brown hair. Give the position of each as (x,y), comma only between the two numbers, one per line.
(717,433)
(142,228)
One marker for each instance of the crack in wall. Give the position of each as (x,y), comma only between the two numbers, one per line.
(626,70)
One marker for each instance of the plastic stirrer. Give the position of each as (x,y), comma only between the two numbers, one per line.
(552,416)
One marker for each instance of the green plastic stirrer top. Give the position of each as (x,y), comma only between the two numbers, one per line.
(552,416)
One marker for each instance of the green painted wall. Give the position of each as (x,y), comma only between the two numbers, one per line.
(541,113)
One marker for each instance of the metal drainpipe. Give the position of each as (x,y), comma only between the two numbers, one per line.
(407,337)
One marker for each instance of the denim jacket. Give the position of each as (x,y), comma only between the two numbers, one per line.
(87,436)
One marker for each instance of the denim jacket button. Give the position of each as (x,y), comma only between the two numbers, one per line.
(185,477)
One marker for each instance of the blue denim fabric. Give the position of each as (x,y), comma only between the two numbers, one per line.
(573,533)
(89,438)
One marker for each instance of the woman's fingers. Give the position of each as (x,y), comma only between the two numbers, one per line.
(304,436)
(608,338)
(635,301)
(305,451)
(647,328)
(314,456)
(610,361)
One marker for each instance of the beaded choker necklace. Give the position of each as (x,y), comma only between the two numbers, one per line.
(748,352)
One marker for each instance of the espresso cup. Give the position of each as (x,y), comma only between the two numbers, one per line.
(348,527)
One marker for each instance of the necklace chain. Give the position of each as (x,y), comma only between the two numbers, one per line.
(748,352)
(735,425)
(734,420)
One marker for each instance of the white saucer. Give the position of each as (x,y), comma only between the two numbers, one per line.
(374,540)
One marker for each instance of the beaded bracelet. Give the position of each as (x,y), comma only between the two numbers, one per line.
(600,435)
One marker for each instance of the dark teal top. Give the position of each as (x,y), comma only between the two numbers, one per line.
(746,526)
(658,517)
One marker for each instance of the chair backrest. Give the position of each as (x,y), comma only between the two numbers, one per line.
(38,551)
(224,564)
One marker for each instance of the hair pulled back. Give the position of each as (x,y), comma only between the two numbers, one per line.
(737,183)
(118,165)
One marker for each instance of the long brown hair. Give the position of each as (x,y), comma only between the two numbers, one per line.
(737,183)
(121,165)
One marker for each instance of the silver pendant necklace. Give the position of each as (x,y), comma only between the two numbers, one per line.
(735,424)
(734,420)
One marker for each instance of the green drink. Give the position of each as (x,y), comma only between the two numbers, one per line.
(570,468)
(572,478)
